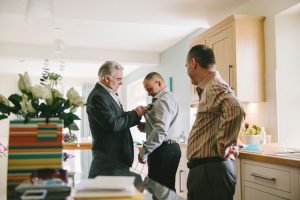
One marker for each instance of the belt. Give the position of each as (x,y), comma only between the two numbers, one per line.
(170,142)
(199,161)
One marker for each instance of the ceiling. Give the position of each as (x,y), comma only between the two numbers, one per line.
(132,32)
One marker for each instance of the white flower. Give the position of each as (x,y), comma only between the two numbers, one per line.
(56,93)
(41,92)
(74,97)
(26,105)
(73,109)
(4,100)
(24,83)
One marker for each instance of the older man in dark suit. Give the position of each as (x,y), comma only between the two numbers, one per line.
(112,140)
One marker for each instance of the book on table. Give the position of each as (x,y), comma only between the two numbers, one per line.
(106,187)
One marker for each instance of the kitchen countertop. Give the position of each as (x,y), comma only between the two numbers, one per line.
(251,155)
(77,145)
(270,158)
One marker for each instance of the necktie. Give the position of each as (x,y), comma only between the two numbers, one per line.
(118,98)
(149,106)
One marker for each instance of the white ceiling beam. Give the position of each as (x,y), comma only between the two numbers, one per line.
(75,54)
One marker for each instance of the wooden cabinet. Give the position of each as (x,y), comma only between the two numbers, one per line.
(182,174)
(238,44)
(256,194)
(237,194)
(299,183)
(263,181)
(181,180)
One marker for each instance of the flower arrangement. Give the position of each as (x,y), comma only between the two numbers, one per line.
(69,137)
(42,100)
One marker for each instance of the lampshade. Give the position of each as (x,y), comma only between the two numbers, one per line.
(39,12)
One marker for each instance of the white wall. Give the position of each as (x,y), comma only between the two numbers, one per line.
(288,78)
(266,113)
(8,85)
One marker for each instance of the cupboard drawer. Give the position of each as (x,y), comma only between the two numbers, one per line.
(275,178)
(299,184)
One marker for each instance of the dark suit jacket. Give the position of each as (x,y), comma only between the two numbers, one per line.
(110,125)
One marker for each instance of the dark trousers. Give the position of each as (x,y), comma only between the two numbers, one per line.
(163,163)
(212,181)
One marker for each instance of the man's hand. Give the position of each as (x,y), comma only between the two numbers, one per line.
(140,110)
(141,160)
(232,151)
(141,126)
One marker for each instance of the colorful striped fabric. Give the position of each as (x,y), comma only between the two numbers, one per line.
(33,145)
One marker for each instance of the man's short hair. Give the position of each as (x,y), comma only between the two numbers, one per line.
(108,69)
(153,75)
(203,55)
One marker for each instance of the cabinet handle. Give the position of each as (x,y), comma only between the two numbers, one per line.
(180,188)
(263,177)
(229,70)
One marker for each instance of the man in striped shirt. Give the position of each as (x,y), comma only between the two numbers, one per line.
(215,130)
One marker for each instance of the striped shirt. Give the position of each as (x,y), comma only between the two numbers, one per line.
(218,120)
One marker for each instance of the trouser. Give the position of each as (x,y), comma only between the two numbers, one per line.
(214,180)
(163,163)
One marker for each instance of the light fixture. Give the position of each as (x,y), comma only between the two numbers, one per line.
(62,69)
(39,12)
(62,66)
(58,45)
(46,64)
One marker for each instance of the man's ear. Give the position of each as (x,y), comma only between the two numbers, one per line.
(106,78)
(158,82)
(193,63)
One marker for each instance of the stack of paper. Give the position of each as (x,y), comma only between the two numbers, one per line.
(106,187)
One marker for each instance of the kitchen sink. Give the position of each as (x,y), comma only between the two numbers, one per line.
(288,154)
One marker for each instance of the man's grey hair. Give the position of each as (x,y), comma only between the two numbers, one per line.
(108,69)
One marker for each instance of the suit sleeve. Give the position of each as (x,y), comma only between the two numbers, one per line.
(105,115)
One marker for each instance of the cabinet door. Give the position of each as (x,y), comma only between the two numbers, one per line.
(199,41)
(255,194)
(182,175)
(299,185)
(237,194)
(222,44)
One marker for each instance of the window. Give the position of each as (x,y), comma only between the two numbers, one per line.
(136,95)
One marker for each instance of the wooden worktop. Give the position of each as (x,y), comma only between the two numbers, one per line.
(77,145)
(256,156)
(269,158)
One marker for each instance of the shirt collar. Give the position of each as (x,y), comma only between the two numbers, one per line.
(109,90)
(212,76)
(162,92)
